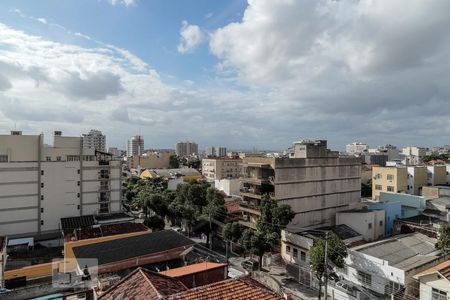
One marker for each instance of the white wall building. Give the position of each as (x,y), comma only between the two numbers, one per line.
(94,140)
(356,148)
(435,282)
(135,146)
(40,185)
(228,186)
(369,223)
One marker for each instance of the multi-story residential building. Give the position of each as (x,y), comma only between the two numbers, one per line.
(406,179)
(435,282)
(356,148)
(114,151)
(150,160)
(314,181)
(414,155)
(40,185)
(186,148)
(135,146)
(221,168)
(94,140)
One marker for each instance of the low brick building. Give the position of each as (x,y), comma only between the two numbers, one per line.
(199,274)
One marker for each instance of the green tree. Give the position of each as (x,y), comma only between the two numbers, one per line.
(158,204)
(336,254)
(233,231)
(174,162)
(366,189)
(443,242)
(155,222)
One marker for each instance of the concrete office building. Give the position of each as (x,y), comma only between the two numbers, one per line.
(314,181)
(356,148)
(221,168)
(186,148)
(216,151)
(94,140)
(40,185)
(135,146)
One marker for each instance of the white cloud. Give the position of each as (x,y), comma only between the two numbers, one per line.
(122,2)
(191,37)
(42,20)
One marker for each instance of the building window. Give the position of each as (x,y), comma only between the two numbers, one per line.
(378,187)
(58,158)
(42,184)
(378,176)
(438,294)
(42,172)
(42,222)
(78,207)
(302,256)
(392,287)
(370,225)
(295,253)
(42,197)
(48,158)
(78,195)
(390,177)
(381,223)
(4,158)
(42,209)
(78,183)
(365,279)
(390,188)
(78,171)
(288,249)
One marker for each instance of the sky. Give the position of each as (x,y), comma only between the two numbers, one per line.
(241,74)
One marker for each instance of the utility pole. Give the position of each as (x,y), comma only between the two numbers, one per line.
(326,265)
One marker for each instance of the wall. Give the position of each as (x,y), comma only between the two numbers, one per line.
(417,178)
(399,182)
(204,278)
(411,205)
(428,282)
(369,224)
(392,210)
(150,161)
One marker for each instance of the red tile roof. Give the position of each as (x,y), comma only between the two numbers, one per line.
(233,206)
(144,284)
(442,268)
(230,289)
(192,269)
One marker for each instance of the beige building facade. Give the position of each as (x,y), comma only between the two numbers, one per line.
(406,179)
(150,160)
(221,168)
(40,185)
(314,181)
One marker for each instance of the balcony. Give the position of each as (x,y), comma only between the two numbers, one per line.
(103,211)
(255,180)
(103,162)
(251,208)
(103,176)
(247,224)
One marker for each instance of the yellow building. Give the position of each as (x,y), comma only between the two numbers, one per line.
(389,179)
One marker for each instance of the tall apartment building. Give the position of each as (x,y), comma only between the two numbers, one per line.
(406,179)
(356,148)
(314,181)
(216,151)
(135,146)
(94,140)
(40,185)
(414,155)
(186,148)
(221,168)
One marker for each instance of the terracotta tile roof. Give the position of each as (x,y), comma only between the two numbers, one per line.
(233,206)
(192,269)
(144,284)
(230,289)
(442,268)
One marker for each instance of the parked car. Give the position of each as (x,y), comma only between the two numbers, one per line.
(4,291)
(250,264)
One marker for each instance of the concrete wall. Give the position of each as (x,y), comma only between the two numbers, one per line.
(437,175)
(385,178)
(392,210)
(417,178)
(228,186)
(370,224)
(411,205)
(150,161)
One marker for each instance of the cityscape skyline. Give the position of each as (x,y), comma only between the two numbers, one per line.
(187,73)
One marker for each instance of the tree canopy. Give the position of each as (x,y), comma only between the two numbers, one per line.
(443,242)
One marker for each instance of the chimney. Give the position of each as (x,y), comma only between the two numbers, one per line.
(57,133)
(16,132)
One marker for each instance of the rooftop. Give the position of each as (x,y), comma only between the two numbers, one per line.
(243,288)
(130,247)
(192,269)
(343,231)
(105,230)
(175,172)
(443,269)
(405,251)
(144,284)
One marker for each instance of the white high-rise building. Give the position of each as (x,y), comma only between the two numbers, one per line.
(135,146)
(356,148)
(94,140)
(40,185)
